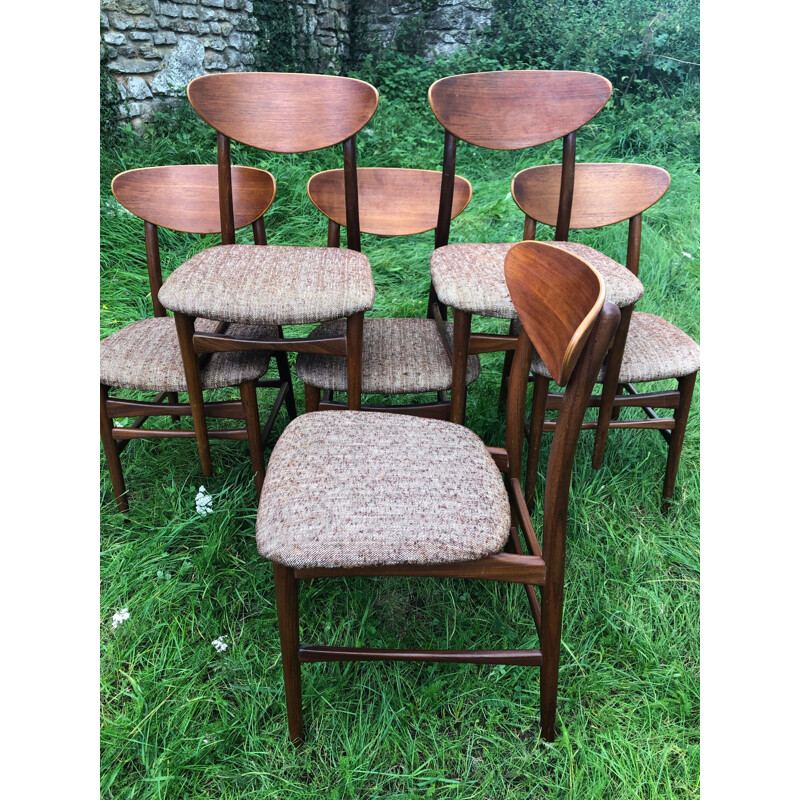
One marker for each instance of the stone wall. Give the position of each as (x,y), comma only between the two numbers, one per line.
(438,28)
(153,48)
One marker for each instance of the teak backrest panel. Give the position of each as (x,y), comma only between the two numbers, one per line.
(557,296)
(283,112)
(391,202)
(603,193)
(186,197)
(512,109)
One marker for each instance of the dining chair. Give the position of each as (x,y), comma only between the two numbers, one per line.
(400,356)
(358,493)
(277,285)
(505,110)
(145,356)
(646,347)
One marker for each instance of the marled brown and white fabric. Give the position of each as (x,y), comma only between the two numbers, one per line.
(146,356)
(400,356)
(271,285)
(654,350)
(470,277)
(356,488)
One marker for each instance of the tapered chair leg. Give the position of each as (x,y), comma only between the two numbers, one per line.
(312,397)
(458,388)
(253,425)
(541,385)
(615,411)
(112,453)
(686,390)
(513,330)
(285,374)
(191,367)
(552,612)
(172,397)
(608,397)
(289,629)
(355,346)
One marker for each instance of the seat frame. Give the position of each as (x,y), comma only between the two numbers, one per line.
(115,439)
(542,566)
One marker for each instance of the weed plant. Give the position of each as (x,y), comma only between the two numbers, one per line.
(182,720)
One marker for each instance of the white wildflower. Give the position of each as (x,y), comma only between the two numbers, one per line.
(688,255)
(120,617)
(219,644)
(203,502)
(120,422)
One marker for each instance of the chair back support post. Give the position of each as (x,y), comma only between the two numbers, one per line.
(154,267)
(334,234)
(567,187)
(351,194)
(634,243)
(259,232)
(515,413)
(225,189)
(448,186)
(529,229)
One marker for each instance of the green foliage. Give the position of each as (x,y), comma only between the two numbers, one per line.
(109,103)
(643,47)
(277,37)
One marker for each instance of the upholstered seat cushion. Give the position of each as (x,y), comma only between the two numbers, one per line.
(400,356)
(356,488)
(257,284)
(470,277)
(654,350)
(146,356)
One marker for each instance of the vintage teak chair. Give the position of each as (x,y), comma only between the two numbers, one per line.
(400,356)
(506,111)
(277,285)
(145,355)
(359,493)
(646,347)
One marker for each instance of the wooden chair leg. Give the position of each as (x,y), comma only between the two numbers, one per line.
(615,411)
(541,385)
(608,397)
(513,330)
(112,453)
(289,628)
(191,366)
(355,346)
(458,388)
(285,374)
(312,397)
(686,390)
(253,425)
(172,397)
(550,639)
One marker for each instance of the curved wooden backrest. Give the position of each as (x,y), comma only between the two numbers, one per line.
(603,193)
(186,197)
(391,202)
(512,109)
(283,112)
(557,297)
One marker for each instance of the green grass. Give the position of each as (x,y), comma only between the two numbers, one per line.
(180,720)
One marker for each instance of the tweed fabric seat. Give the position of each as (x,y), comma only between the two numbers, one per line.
(357,488)
(146,356)
(470,277)
(401,356)
(271,285)
(655,350)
